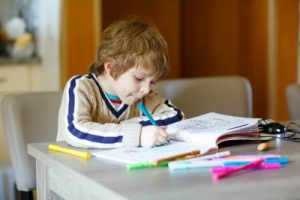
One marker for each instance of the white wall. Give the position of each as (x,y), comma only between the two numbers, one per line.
(49,43)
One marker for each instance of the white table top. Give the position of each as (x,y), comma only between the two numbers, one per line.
(160,183)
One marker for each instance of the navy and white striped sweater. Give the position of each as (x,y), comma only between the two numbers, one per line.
(89,119)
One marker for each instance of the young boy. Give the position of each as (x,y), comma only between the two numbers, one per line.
(99,110)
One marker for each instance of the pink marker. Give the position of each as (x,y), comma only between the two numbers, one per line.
(258,156)
(218,169)
(254,164)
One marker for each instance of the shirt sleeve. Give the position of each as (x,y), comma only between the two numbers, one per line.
(77,127)
(162,110)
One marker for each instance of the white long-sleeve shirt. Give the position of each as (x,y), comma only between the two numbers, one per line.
(87,117)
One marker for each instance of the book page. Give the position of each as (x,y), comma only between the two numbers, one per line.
(207,128)
(139,155)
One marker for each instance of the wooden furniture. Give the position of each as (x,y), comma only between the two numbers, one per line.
(16,77)
(209,38)
(69,177)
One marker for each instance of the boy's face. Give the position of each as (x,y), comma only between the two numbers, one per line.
(133,85)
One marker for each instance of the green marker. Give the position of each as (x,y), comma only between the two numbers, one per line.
(164,164)
(146,165)
(139,165)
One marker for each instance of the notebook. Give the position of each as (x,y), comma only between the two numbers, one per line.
(142,154)
(202,133)
(211,129)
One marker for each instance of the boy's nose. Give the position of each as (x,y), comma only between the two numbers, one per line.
(145,88)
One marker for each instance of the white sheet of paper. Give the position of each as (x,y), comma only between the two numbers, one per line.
(138,155)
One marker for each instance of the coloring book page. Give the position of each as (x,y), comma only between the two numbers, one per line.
(209,127)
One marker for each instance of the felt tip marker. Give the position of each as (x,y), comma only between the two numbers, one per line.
(82,154)
(199,162)
(146,113)
(264,166)
(217,176)
(282,161)
(176,157)
(144,165)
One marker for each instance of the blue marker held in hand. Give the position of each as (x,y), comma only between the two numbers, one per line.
(146,113)
(149,116)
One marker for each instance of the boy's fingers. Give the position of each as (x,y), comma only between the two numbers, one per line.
(163,133)
(160,142)
(163,140)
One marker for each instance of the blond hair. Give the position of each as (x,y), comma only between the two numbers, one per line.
(129,41)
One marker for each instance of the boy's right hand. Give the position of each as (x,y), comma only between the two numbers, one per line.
(153,135)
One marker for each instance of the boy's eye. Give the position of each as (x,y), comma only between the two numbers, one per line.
(139,79)
(153,82)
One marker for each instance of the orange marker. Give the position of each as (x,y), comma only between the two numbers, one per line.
(157,162)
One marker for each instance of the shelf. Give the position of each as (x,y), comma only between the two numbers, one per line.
(10,61)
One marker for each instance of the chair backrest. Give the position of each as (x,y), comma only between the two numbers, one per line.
(28,118)
(293,100)
(230,95)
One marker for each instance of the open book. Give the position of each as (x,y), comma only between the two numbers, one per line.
(211,129)
(202,133)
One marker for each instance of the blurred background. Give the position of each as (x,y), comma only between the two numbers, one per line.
(257,39)
(45,42)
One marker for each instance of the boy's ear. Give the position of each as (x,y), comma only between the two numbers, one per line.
(108,65)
